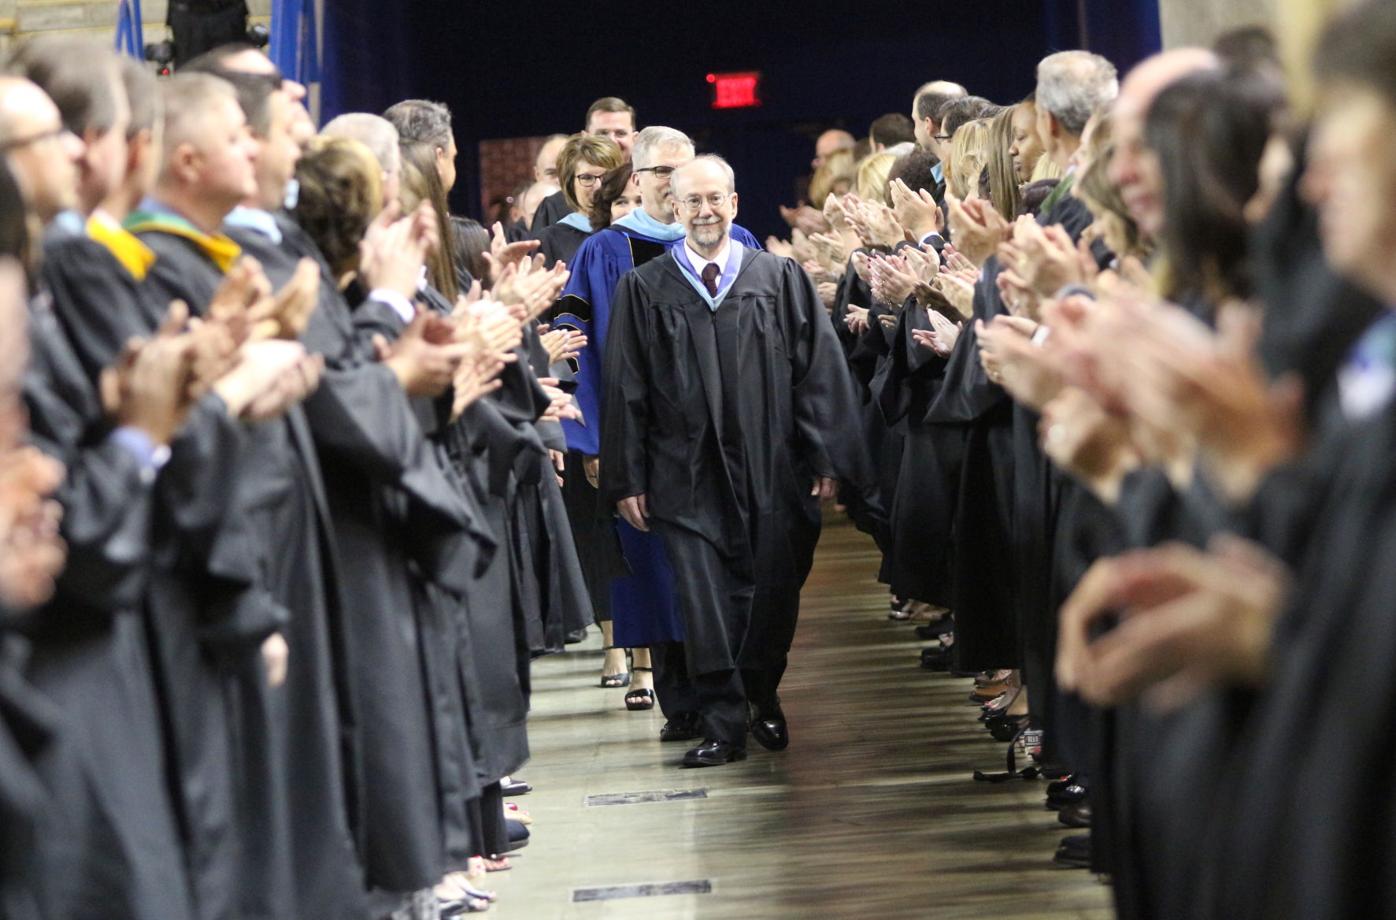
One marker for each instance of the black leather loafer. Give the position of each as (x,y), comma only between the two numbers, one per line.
(1078,815)
(713,754)
(685,727)
(1074,852)
(515,787)
(772,733)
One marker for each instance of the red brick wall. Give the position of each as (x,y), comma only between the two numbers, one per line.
(504,164)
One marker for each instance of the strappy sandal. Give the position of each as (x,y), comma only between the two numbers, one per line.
(641,698)
(614,681)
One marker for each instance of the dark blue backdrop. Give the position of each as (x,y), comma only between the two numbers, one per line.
(514,70)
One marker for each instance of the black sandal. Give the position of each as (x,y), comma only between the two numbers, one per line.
(641,698)
(614,681)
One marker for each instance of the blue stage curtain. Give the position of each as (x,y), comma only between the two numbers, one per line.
(1124,31)
(369,57)
(294,40)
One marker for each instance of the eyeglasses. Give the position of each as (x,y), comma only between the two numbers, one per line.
(16,143)
(660,172)
(695,202)
(586,180)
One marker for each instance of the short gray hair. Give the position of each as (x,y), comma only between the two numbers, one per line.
(374,132)
(708,158)
(421,121)
(653,139)
(1073,85)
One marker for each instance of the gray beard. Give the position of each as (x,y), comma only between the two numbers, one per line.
(709,235)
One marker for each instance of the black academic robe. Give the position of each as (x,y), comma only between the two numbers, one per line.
(550,210)
(479,452)
(724,419)
(112,847)
(925,474)
(204,621)
(559,242)
(27,725)
(369,444)
(280,522)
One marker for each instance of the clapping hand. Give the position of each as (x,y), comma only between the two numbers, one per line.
(563,344)
(805,219)
(976,227)
(394,250)
(917,211)
(941,337)
(876,225)
(1189,620)
(892,281)
(560,404)
(856,319)
(503,254)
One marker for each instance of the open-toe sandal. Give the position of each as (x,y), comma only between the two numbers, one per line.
(614,681)
(641,698)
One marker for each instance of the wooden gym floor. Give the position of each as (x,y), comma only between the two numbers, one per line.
(870,813)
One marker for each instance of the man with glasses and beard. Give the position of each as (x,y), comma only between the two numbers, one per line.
(727,402)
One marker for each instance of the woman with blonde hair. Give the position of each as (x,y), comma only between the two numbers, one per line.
(1000,177)
(835,176)
(968,154)
(872,176)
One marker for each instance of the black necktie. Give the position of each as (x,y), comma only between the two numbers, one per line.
(710,273)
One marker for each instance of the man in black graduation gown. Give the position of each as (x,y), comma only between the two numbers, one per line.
(108,841)
(268,535)
(726,397)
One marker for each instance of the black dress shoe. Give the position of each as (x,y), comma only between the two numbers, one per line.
(1078,815)
(1056,786)
(937,659)
(1073,794)
(577,635)
(515,787)
(713,754)
(1074,852)
(683,727)
(771,733)
(935,629)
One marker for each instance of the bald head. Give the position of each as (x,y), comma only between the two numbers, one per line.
(42,154)
(829,143)
(1134,169)
(706,167)
(943,87)
(545,164)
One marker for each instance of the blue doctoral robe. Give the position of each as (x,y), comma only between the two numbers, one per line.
(644,605)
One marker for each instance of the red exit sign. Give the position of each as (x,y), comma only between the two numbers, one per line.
(736,90)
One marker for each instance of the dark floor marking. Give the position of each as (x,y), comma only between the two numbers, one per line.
(632,798)
(653,890)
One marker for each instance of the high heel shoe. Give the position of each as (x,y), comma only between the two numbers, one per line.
(641,698)
(614,681)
